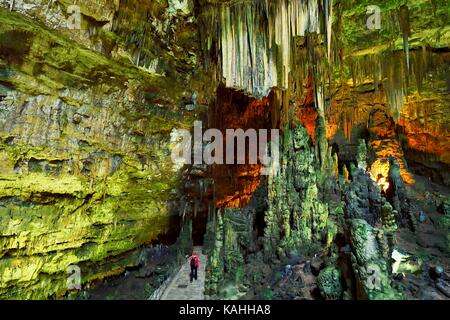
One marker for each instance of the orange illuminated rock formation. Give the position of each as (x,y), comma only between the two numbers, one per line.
(307,113)
(235,184)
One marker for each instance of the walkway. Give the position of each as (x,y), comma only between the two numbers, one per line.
(181,288)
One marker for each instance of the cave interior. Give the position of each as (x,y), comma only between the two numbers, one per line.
(93,103)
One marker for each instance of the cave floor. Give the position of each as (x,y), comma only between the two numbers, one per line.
(427,243)
(181,288)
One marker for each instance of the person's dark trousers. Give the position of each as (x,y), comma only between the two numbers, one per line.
(194,273)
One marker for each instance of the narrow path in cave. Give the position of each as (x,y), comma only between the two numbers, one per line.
(181,288)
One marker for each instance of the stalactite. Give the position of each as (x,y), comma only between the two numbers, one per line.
(387,71)
(395,87)
(328,6)
(405,27)
(256,39)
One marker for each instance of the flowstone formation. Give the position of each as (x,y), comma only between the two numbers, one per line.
(371,223)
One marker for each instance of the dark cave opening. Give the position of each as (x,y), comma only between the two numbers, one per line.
(170,237)
(199,222)
(428,165)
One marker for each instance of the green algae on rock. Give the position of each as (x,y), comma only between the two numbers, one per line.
(371,269)
(85,145)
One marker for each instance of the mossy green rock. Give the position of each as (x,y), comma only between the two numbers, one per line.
(369,264)
(85,170)
(329,282)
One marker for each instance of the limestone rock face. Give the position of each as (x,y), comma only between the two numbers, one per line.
(85,169)
(295,217)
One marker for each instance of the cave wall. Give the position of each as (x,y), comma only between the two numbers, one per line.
(85,122)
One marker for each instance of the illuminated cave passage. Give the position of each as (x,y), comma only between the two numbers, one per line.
(226,186)
(94,104)
(220,186)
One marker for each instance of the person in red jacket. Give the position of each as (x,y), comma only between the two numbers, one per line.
(194,262)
